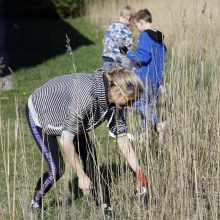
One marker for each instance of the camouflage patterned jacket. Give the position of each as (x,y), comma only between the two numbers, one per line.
(116,35)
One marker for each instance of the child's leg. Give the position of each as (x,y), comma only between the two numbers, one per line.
(140,107)
(108,63)
(49,147)
(87,152)
(152,115)
(149,115)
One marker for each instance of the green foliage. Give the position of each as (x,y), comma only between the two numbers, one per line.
(87,57)
(45,8)
(86,49)
(183,169)
(61,8)
(69,7)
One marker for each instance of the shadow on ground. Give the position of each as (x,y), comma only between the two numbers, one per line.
(31,40)
(109,173)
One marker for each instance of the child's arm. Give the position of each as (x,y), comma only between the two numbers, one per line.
(142,54)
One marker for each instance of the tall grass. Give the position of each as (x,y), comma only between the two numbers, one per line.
(183,170)
(182,22)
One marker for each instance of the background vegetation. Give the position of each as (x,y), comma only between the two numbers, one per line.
(184,170)
(47,8)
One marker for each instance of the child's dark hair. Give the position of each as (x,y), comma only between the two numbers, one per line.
(143,15)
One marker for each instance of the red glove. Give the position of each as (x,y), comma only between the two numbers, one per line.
(142,180)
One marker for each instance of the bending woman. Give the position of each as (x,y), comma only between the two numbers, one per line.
(70,106)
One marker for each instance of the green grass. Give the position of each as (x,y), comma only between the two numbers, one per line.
(183,170)
(85,41)
(30,73)
(21,162)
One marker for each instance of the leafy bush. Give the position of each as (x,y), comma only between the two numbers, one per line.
(71,8)
(62,8)
(45,8)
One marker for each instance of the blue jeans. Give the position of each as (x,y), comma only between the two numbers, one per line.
(148,110)
(108,63)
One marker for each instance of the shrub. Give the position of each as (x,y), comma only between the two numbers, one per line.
(45,8)
(66,8)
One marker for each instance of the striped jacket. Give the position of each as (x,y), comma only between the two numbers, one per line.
(76,103)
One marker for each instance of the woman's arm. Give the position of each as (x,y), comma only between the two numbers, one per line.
(68,147)
(143,53)
(128,152)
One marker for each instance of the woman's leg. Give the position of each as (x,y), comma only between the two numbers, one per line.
(48,145)
(87,152)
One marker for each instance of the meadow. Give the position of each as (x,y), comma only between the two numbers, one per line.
(183,169)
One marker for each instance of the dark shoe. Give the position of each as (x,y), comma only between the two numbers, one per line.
(34,210)
(107,211)
(34,205)
(144,196)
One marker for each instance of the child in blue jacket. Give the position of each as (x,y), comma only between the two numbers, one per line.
(149,58)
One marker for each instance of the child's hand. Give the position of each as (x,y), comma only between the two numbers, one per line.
(123,49)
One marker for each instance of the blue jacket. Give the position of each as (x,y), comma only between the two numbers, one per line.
(149,58)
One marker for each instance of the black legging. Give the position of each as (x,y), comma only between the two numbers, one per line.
(49,146)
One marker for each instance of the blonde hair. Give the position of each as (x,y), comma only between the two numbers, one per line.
(126,12)
(127,80)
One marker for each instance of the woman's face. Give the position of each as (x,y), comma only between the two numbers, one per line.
(119,98)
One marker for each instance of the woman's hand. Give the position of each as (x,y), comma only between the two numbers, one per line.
(142,180)
(85,184)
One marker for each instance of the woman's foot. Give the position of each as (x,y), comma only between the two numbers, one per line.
(107,211)
(34,210)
